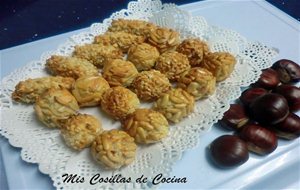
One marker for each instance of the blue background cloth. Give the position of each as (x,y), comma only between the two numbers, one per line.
(23,21)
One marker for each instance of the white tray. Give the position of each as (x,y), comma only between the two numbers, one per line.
(257,21)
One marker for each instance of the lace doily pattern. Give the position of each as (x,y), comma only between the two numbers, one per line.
(45,146)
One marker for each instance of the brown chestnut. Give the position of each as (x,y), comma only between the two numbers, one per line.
(288,71)
(291,94)
(251,94)
(269,109)
(229,151)
(268,79)
(288,128)
(234,118)
(259,139)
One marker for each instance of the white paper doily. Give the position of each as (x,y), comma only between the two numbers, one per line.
(45,146)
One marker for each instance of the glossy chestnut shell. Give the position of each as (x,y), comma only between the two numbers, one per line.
(234,118)
(291,94)
(259,139)
(268,79)
(249,95)
(288,128)
(269,109)
(288,71)
(229,151)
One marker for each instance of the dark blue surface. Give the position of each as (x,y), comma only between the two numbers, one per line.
(23,21)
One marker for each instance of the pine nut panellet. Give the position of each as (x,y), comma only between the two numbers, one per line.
(175,105)
(146,126)
(114,149)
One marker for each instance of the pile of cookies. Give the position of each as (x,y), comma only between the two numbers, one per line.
(134,61)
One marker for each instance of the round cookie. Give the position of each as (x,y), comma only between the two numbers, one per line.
(175,104)
(172,64)
(119,72)
(79,131)
(113,149)
(121,40)
(220,64)
(150,85)
(88,91)
(143,56)
(199,82)
(146,126)
(194,49)
(119,102)
(164,39)
(54,106)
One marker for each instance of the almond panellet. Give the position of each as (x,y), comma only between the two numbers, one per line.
(143,56)
(55,106)
(194,49)
(98,54)
(199,82)
(122,40)
(164,39)
(79,131)
(137,27)
(119,72)
(70,67)
(27,91)
(89,90)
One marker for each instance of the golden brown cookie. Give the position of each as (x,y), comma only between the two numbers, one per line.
(172,64)
(70,67)
(220,64)
(137,27)
(143,56)
(175,104)
(119,72)
(164,39)
(27,91)
(98,54)
(79,131)
(194,49)
(119,102)
(150,85)
(146,126)
(114,149)
(54,106)
(121,40)
(88,91)
(199,82)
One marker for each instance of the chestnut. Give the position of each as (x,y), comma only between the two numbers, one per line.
(269,109)
(234,118)
(251,94)
(268,79)
(291,94)
(288,128)
(288,71)
(259,139)
(229,151)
